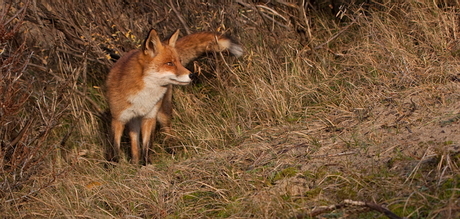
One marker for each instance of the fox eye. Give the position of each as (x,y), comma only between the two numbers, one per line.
(170,63)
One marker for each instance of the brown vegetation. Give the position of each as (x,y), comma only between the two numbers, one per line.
(322,117)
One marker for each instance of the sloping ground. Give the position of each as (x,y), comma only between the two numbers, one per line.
(403,149)
(401,153)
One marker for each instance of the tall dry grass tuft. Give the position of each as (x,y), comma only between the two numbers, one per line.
(342,67)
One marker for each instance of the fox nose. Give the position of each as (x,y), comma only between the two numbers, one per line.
(193,76)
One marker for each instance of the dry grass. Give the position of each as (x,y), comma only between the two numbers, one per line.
(317,111)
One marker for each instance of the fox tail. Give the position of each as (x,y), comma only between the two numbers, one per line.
(194,45)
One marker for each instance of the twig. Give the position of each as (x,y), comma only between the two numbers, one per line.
(187,30)
(381,209)
(272,11)
(335,36)
(22,10)
(22,132)
(347,203)
(263,14)
(334,155)
(228,66)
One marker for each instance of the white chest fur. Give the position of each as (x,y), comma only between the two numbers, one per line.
(143,102)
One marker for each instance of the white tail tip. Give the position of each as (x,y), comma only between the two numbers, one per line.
(234,48)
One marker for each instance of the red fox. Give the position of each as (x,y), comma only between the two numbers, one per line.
(139,85)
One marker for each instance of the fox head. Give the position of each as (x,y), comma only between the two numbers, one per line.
(161,61)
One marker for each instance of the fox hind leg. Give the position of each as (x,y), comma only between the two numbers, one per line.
(134,132)
(165,113)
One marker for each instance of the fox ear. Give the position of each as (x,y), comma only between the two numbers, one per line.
(172,40)
(152,43)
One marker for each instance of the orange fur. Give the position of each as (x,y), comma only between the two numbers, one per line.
(139,86)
